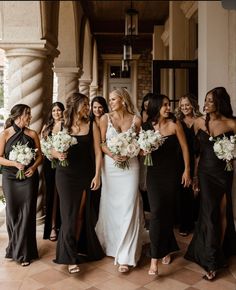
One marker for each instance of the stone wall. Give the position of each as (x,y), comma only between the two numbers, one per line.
(144,80)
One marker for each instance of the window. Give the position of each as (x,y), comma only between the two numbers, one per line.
(116,72)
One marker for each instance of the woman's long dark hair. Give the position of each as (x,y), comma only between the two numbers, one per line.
(50,121)
(73,103)
(145,98)
(102,102)
(16,112)
(154,106)
(222,103)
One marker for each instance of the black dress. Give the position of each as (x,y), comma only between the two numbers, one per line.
(71,182)
(163,179)
(205,248)
(187,207)
(21,200)
(50,186)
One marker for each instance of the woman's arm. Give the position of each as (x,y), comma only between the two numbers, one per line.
(98,157)
(103,130)
(184,147)
(38,160)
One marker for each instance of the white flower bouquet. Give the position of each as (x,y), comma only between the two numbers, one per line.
(61,142)
(23,154)
(126,145)
(225,149)
(46,146)
(149,141)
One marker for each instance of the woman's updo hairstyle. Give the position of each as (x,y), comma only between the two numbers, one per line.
(16,112)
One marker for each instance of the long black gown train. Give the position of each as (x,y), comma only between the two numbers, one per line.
(163,179)
(206,247)
(21,199)
(71,182)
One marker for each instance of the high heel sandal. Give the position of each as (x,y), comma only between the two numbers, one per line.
(153,272)
(123,269)
(210,276)
(72,269)
(166,260)
(25,264)
(53,234)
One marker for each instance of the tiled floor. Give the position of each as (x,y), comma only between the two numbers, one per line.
(43,274)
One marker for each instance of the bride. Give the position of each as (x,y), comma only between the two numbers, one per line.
(120,224)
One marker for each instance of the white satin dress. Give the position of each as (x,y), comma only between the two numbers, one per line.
(120,226)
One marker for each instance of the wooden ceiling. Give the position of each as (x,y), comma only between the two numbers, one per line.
(107,20)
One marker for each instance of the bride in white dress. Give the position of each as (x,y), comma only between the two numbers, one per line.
(120,226)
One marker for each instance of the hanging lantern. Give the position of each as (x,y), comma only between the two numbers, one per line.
(127,51)
(131,22)
(125,65)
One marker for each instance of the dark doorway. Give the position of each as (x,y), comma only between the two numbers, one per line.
(175,71)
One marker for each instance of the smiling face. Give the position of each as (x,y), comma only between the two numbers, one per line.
(185,106)
(165,108)
(56,113)
(209,106)
(97,109)
(115,102)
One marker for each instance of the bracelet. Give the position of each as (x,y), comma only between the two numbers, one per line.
(195,177)
(103,143)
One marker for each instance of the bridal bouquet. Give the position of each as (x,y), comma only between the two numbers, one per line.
(149,141)
(124,144)
(61,142)
(225,149)
(23,154)
(46,146)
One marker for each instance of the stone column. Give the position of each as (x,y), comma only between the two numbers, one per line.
(68,82)
(213,49)
(93,91)
(30,80)
(84,86)
(177,47)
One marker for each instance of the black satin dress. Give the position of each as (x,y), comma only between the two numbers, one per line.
(21,200)
(163,179)
(187,203)
(71,182)
(50,186)
(206,248)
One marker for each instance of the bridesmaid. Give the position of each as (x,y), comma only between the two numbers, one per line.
(163,179)
(214,238)
(186,113)
(120,226)
(98,109)
(143,168)
(52,218)
(21,195)
(77,240)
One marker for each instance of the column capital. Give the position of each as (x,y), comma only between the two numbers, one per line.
(40,49)
(68,71)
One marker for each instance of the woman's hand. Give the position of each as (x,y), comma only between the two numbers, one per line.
(95,183)
(19,166)
(186,180)
(119,158)
(30,171)
(58,155)
(195,185)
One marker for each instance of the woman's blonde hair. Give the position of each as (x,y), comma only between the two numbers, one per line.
(124,95)
(196,113)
